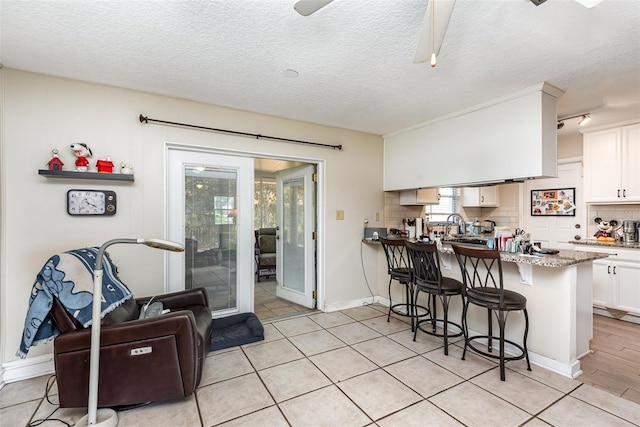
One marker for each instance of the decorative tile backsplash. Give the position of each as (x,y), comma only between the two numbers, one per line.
(506,216)
(394,212)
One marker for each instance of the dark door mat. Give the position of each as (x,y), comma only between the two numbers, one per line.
(232,331)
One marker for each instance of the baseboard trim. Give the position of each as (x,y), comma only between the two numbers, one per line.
(345,305)
(30,367)
(626,316)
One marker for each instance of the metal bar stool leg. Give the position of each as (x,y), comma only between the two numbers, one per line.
(490,340)
(390,301)
(501,324)
(465,327)
(526,332)
(445,332)
(435,313)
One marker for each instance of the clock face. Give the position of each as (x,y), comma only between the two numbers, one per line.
(91,202)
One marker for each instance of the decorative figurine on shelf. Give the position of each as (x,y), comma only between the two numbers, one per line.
(605,230)
(126,169)
(81,151)
(55,164)
(105,165)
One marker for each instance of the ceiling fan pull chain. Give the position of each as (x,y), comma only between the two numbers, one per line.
(433,32)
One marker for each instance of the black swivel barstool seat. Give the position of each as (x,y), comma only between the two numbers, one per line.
(428,278)
(399,269)
(481,270)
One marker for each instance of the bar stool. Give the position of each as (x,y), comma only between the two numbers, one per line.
(399,268)
(482,277)
(428,278)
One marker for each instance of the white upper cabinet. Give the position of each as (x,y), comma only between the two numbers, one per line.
(422,196)
(480,196)
(611,165)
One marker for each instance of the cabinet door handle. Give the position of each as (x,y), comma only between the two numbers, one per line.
(608,269)
(624,193)
(618,192)
(614,269)
(481,199)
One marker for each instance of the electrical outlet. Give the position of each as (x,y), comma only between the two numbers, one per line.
(340,215)
(377,216)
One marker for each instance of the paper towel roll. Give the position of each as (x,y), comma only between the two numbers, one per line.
(411,230)
(418,227)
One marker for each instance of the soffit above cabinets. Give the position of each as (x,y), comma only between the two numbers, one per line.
(511,139)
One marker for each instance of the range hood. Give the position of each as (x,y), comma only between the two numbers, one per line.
(510,139)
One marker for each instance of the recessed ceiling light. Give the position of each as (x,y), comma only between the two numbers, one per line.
(290,72)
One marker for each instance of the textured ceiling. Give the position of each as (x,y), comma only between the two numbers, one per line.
(354,57)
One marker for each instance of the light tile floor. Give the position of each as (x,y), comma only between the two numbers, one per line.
(267,305)
(352,368)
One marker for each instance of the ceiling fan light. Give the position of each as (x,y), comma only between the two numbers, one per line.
(585,119)
(433,59)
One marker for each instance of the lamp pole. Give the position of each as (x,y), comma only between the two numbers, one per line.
(107,417)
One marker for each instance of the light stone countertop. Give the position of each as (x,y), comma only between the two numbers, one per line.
(616,244)
(562,259)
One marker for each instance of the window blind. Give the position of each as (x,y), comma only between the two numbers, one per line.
(449,203)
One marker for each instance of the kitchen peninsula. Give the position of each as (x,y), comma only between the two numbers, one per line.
(559,294)
(558,289)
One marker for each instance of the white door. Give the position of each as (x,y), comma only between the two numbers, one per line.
(556,231)
(210,209)
(295,245)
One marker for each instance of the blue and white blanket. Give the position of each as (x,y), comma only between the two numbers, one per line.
(69,276)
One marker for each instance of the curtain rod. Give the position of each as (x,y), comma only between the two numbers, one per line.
(145,119)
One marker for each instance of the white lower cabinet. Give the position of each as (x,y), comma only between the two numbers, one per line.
(602,286)
(626,288)
(616,279)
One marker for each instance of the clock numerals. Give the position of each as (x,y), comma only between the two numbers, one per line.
(91,202)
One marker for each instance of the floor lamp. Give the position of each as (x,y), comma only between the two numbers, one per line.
(107,417)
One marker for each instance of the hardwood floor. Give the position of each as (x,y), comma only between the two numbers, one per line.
(614,364)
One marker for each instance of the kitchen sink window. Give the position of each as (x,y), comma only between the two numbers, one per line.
(449,204)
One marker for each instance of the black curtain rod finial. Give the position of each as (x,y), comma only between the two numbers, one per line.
(143,119)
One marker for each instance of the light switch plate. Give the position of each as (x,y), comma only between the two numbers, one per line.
(340,215)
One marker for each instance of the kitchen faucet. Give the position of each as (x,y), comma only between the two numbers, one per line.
(463,224)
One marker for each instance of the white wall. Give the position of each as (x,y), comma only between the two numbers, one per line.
(42,112)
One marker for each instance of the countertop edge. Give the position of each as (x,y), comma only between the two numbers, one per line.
(595,243)
(564,258)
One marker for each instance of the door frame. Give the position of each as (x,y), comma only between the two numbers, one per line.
(319,209)
(581,216)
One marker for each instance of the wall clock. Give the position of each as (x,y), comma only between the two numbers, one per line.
(91,202)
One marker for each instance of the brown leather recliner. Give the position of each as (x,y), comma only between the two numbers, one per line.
(145,360)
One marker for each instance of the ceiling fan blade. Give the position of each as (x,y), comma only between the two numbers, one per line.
(589,3)
(443,10)
(307,7)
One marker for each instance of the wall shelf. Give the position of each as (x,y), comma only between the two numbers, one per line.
(86,175)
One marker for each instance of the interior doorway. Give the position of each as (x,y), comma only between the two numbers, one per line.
(285,220)
(557,231)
